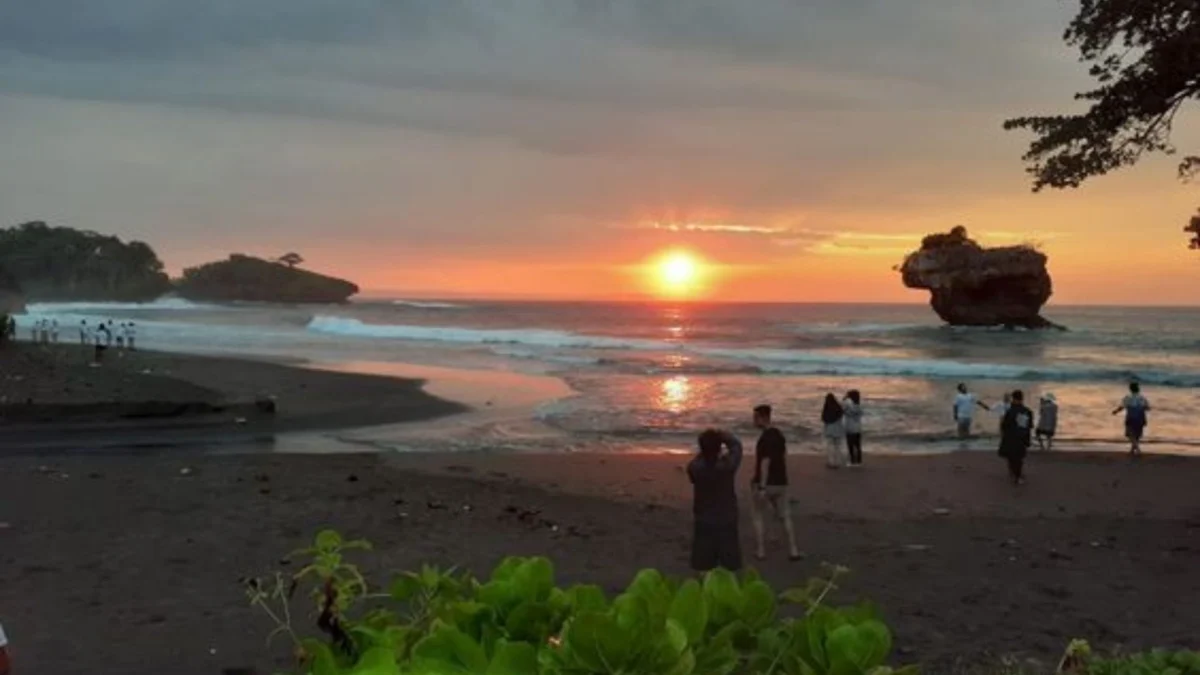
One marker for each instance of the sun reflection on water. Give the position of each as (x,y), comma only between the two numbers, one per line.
(675,393)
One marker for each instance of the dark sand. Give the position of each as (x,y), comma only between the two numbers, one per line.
(51,397)
(121,564)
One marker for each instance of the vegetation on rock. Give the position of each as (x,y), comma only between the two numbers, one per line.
(61,263)
(245,278)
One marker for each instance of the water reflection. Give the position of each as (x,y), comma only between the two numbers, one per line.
(675,393)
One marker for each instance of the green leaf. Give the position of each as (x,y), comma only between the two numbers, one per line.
(321,660)
(513,658)
(723,596)
(758,608)
(327,540)
(689,608)
(858,648)
(404,587)
(595,642)
(449,647)
(586,598)
(378,661)
(530,622)
(534,578)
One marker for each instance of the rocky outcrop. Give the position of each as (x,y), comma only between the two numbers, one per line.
(975,286)
(11,299)
(244,278)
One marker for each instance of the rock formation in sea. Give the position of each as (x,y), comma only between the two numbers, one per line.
(62,263)
(975,286)
(11,299)
(245,278)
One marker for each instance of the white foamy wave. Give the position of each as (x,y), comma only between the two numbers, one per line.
(534,337)
(534,355)
(162,304)
(854,328)
(788,362)
(418,304)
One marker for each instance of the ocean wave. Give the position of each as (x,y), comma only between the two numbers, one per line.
(548,345)
(856,328)
(533,337)
(419,304)
(162,304)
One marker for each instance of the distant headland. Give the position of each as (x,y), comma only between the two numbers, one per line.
(43,263)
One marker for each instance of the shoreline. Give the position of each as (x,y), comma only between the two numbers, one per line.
(53,397)
(141,554)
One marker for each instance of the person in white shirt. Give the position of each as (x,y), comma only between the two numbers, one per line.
(85,335)
(964,410)
(130,335)
(1135,407)
(54,331)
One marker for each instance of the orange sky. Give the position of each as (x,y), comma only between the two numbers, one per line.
(502,150)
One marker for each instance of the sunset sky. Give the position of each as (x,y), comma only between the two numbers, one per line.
(554,148)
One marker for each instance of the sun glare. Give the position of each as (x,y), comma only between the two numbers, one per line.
(678,273)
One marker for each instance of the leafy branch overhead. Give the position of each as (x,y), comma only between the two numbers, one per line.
(1145,58)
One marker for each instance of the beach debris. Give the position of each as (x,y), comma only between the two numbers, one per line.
(941,511)
(403,514)
(467,508)
(523,515)
(434,505)
(95,474)
(264,491)
(1010,543)
(46,469)
(186,471)
(262,478)
(352,478)
(917,548)
(239,420)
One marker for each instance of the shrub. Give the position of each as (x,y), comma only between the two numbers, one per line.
(520,622)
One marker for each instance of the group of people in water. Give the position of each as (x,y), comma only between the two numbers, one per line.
(713,471)
(104,335)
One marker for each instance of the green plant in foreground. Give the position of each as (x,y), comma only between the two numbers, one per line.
(1080,660)
(520,622)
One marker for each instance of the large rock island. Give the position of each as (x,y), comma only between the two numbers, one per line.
(975,286)
(245,278)
(61,263)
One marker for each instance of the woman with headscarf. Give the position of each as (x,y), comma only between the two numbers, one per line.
(852,407)
(832,416)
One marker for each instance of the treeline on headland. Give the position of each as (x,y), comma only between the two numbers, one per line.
(39,262)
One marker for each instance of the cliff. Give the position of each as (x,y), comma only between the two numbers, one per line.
(251,279)
(975,286)
(61,263)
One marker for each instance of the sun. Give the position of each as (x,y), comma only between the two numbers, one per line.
(678,273)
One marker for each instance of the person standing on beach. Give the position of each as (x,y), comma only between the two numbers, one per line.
(1016,435)
(832,416)
(1135,406)
(770,490)
(715,540)
(85,334)
(54,331)
(130,336)
(852,406)
(964,410)
(1047,424)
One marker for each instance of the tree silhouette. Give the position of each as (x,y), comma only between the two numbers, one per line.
(1193,228)
(291,259)
(1145,58)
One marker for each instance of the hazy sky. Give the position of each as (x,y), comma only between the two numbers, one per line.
(550,147)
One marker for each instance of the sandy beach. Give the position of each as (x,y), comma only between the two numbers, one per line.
(123,564)
(51,397)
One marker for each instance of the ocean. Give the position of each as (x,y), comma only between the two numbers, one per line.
(620,377)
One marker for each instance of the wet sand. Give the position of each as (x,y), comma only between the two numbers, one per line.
(52,397)
(121,564)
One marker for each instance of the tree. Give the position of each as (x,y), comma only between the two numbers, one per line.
(1193,228)
(1145,58)
(291,259)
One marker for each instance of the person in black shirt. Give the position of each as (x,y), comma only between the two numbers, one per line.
(1016,436)
(715,541)
(770,490)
